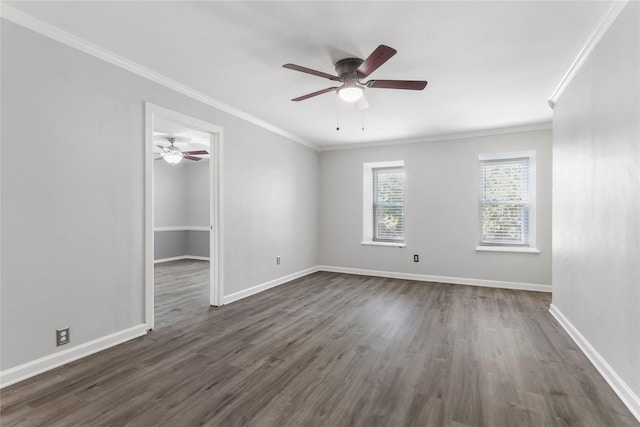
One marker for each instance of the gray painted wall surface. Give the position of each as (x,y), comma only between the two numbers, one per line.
(197,193)
(170,194)
(181,198)
(197,243)
(275,203)
(170,244)
(596,230)
(181,194)
(88,216)
(441,210)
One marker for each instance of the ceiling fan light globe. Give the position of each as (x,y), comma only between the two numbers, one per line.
(351,93)
(173,157)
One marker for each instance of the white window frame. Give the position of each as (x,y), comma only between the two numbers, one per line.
(530,247)
(367,203)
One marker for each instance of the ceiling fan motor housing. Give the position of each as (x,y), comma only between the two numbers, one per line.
(346,68)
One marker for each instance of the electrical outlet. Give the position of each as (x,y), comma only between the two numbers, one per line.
(62,336)
(416,258)
(278,260)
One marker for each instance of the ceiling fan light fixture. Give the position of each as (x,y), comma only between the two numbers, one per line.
(173,157)
(351,93)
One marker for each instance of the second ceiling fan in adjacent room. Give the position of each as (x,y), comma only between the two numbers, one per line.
(174,155)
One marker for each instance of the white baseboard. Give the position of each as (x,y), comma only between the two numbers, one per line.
(46,363)
(439,279)
(178,258)
(267,285)
(624,392)
(392,275)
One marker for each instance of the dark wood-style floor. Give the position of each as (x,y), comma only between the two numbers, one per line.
(181,288)
(331,350)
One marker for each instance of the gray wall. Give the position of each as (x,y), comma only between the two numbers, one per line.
(72,193)
(170,195)
(178,243)
(181,198)
(275,198)
(169,244)
(596,230)
(197,243)
(441,211)
(197,193)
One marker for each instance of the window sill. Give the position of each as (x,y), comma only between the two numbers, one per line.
(507,249)
(389,244)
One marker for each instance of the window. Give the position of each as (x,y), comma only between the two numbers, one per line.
(506,211)
(383,203)
(388,204)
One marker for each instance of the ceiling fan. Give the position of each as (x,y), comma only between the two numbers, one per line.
(351,71)
(173,154)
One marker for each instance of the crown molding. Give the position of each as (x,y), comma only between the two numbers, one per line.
(446,136)
(607,19)
(20,18)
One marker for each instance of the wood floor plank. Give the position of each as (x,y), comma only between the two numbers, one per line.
(329,350)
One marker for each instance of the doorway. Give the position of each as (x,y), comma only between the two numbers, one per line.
(165,130)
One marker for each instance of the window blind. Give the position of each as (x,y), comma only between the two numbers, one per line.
(504,201)
(388,204)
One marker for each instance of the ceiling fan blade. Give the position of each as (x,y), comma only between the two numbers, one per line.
(310,71)
(195,159)
(198,152)
(397,84)
(310,95)
(375,60)
(362,103)
(161,147)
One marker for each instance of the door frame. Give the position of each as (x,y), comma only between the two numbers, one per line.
(216,284)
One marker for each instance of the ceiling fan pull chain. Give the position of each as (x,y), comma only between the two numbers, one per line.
(362,119)
(337,113)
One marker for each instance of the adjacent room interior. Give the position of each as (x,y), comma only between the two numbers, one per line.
(320,213)
(181,220)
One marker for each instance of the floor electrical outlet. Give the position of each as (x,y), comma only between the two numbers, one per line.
(62,336)
(416,258)
(278,260)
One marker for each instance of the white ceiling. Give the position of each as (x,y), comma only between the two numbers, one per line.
(489,64)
